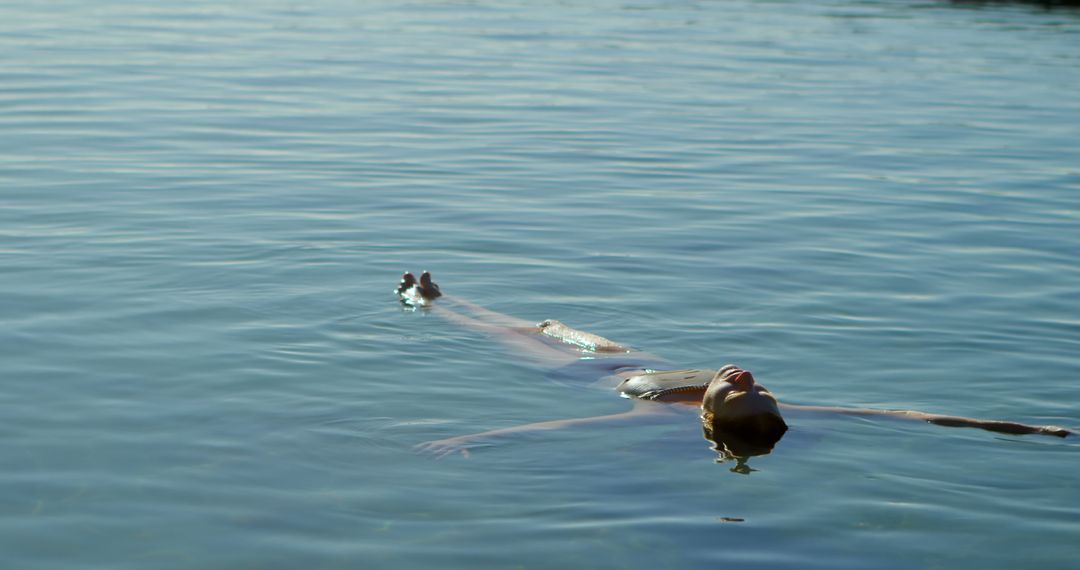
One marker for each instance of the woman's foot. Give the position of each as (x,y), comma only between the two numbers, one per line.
(407,281)
(418,294)
(428,289)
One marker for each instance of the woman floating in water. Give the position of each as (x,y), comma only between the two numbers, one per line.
(741,416)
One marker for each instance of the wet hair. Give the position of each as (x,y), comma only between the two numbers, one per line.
(735,443)
(759,429)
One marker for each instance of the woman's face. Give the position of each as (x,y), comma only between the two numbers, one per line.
(734,401)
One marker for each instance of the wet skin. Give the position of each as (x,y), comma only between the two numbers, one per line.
(736,411)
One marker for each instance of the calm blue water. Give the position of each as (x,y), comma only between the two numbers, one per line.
(204,207)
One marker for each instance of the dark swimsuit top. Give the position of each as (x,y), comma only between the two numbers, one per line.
(668,383)
(651,384)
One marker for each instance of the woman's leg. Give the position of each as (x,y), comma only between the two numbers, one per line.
(521,339)
(566,345)
(493,316)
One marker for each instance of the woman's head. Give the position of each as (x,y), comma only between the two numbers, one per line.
(734,403)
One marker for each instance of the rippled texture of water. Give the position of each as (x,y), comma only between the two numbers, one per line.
(204,207)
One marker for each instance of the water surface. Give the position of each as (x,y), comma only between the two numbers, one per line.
(204,207)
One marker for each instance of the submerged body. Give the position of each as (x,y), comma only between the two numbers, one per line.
(736,412)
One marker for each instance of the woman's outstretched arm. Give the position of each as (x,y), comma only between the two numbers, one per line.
(462,443)
(999,426)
